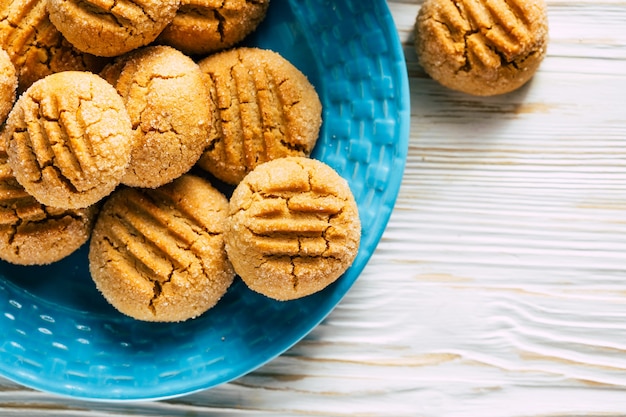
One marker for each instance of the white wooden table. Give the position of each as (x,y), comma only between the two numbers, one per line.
(499,287)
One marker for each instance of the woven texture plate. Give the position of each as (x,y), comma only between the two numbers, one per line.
(60,336)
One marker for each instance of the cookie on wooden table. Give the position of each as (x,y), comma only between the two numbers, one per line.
(481,47)
(158,254)
(293,228)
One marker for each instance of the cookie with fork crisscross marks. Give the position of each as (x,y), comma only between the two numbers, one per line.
(158,254)
(111,27)
(293,228)
(35,46)
(265,109)
(205,26)
(69,139)
(32,233)
(481,47)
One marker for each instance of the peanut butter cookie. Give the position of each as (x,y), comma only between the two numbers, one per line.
(266,109)
(158,254)
(205,26)
(481,47)
(8,85)
(111,27)
(35,46)
(293,228)
(170,111)
(34,234)
(69,139)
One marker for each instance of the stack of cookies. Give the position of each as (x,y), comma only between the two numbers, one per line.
(127,111)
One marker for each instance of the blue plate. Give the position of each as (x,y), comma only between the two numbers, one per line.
(60,336)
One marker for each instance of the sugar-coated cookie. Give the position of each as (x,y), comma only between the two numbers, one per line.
(170,110)
(34,234)
(158,254)
(35,46)
(205,26)
(111,27)
(8,85)
(266,109)
(293,228)
(481,47)
(69,139)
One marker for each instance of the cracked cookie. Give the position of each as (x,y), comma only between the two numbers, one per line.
(158,254)
(481,47)
(34,234)
(111,27)
(8,85)
(170,110)
(265,109)
(69,139)
(35,46)
(205,26)
(293,228)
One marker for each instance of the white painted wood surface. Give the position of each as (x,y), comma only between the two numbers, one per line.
(499,287)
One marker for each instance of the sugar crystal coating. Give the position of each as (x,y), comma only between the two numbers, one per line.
(293,228)
(265,109)
(170,110)
(111,27)
(204,26)
(69,139)
(158,254)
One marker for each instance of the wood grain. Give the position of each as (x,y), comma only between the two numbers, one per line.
(499,287)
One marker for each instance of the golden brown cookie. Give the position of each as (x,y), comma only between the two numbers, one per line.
(111,27)
(205,26)
(481,47)
(8,85)
(35,46)
(170,110)
(293,228)
(266,109)
(34,234)
(158,254)
(69,139)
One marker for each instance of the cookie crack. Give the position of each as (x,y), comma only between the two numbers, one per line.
(13,229)
(153,19)
(467,62)
(221,23)
(157,291)
(100,13)
(295,147)
(218,130)
(294,277)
